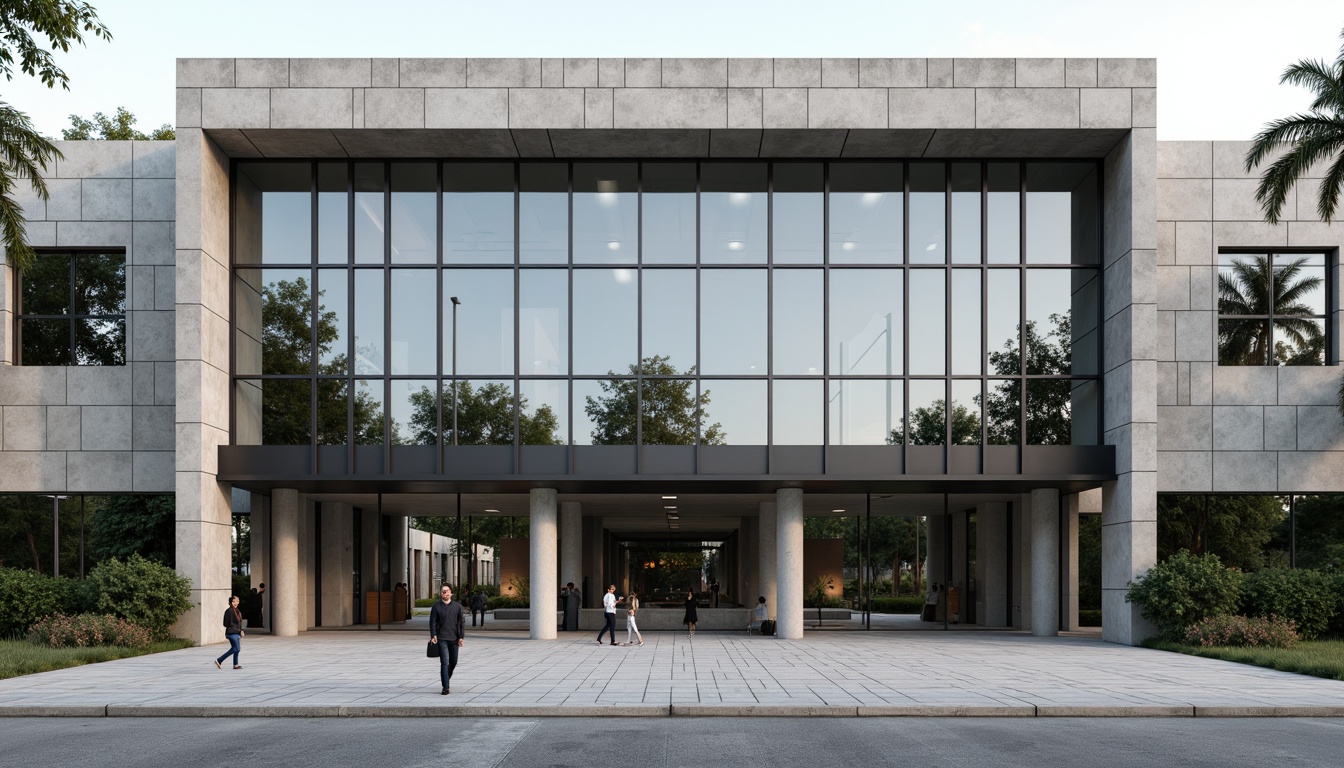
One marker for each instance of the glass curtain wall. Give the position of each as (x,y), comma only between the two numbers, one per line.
(667,303)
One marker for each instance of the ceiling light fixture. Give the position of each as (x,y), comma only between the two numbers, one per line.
(667,498)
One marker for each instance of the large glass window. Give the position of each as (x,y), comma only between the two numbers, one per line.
(804,302)
(72,310)
(1272,309)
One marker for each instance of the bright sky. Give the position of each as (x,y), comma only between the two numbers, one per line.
(1219,61)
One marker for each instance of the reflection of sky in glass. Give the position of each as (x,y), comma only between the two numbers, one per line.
(797,413)
(966,304)
(414,220)
(484,321)
(543,329)
(1048,293)
(864,412)
(799,227)
(415,347)
(669,228)
(333,296)
(732,321)
(732,227)
(866,227)
(369,322)
(552,393)
(605,308)
(1002,312)
(866,319)
(966,227)
(286,227)
(926,395)
(1310,265)
(543,227)
(333,218)
(669,316)
(740,407)
(583,425)
(798,321)
(368,227)
(1049,227)
(478,227)
(928,302)
(405,430)
(1005,228)
(370,391)
(606,227)
(966,394)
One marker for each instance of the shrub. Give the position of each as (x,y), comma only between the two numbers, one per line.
(1336,627)
(143,592)
(1266,631)
(27,597)
(87,630)
(898,604)
(1089,618)
(426,602)
(506,602)
(1183,590)
(1306,597)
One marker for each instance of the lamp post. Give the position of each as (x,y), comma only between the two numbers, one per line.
(56,534)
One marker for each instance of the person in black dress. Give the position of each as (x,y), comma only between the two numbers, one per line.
(690,618)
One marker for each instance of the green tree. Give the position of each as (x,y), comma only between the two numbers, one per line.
(1305,139)
(25,153)
(25,532)
(484,417)
(1320,533)
(119,127)
(1236,528)
(672,412)
(928,424)
(121,526)
(1255,287)
(1049,408)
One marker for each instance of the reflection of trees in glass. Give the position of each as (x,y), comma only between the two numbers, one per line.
(72,310)
(1255,287)
(928,423)
(670,406)
(1049,412)
(1320,532)
(286,348)
(484,417)
(1236,528)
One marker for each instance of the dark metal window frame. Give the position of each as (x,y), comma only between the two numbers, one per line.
(72,317)
(443,378)
(1331,354)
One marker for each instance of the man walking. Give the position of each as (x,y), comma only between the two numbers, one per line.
(447,628)
(478,605)
(609,602)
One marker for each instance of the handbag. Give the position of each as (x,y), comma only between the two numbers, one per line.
(432,650)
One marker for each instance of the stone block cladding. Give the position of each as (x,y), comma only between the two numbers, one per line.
(98,429)
(1235,429)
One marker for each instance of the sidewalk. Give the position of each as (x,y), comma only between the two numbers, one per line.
(983,673)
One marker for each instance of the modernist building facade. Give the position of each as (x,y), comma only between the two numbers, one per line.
(667,298)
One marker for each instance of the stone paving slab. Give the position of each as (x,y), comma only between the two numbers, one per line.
(840,674)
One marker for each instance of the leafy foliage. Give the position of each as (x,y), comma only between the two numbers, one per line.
(1320,532)
(1236,528)
(25,153)
(1254,286)
(122,526)
(1306,597)
(927,425)
(672,412)
(1242,631)
(27,597)
(143,592)
(484,417)
(88,630)
(1306,139)
(1184,590)
(119,127)
(1049,407)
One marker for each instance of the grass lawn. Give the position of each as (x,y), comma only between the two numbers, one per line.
(20,657)
(1319,658)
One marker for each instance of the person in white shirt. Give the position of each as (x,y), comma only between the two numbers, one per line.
(759,615)
(609,602)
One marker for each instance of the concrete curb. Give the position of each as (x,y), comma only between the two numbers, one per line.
(674,710)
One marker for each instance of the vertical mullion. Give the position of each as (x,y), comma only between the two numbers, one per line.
(826,316)
(439,274)
(1021,314)
(905,309)
(313,317)
(699,372)
(387,324)
(349,371)
(72,307)
(984,310)
(769,303)
(569,282)
(639,310)
(947,317)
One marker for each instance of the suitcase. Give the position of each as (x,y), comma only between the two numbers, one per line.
(768,627)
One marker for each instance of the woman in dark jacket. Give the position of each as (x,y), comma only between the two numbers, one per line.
(690,618)
(233,630)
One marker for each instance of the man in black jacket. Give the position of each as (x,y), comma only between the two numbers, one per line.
(447,627)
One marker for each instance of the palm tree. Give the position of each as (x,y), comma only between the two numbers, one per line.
(25,153)
(1309,138)
(1254,287)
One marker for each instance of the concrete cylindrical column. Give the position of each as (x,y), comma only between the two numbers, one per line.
(767,578)
(991,554)
(789,562)
(571,543)
(284,588)
(1045,562)
(935,573)
(542,589)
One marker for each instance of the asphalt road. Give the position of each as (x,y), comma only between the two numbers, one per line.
(615,742)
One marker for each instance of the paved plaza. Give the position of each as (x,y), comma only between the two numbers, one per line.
(502,672)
